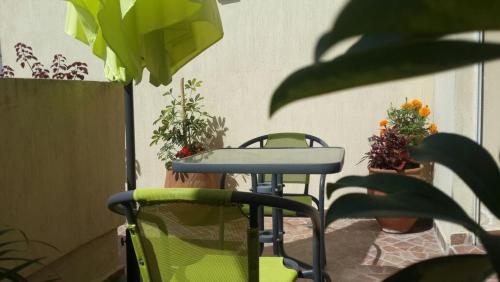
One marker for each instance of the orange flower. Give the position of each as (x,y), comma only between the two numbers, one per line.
(416,103)
(424,111)
(382,131)
(383,123)
(433,129)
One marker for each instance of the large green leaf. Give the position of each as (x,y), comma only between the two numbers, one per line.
(413,17)
(492,245)
(356,205)
(406,197)
(14,272)
(384,63)
(13,276)
(6,230)
(466,268)
(471,162)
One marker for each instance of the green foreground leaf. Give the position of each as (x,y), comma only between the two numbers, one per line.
(415,17)
(389,62)
(471,162)
(463,268)
(397,205)
(406,197)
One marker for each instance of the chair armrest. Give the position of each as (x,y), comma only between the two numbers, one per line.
(123,203)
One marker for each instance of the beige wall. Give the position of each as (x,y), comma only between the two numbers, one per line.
(259,49)
(456,100)
(491,117)
(264,41)
(456,109)
(62,156)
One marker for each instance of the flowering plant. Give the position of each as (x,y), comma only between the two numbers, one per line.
(405,126)
(183,126)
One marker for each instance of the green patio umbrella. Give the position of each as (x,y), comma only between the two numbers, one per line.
(132,35)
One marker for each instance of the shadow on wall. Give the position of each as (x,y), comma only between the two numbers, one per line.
(217,131)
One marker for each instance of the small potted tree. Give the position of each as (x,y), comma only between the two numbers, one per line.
(183,130)
(406,126)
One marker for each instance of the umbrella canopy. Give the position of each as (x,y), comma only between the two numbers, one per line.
(130,35)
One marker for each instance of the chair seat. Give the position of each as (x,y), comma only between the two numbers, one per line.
(229,268)
(268,211)
(272,269)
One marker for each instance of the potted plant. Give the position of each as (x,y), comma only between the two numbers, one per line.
(406,126)
(183,130)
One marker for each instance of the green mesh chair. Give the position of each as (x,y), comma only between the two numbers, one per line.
(194,234)
(262,183)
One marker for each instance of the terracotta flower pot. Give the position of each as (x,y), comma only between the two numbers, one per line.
(192,180)
(396,224)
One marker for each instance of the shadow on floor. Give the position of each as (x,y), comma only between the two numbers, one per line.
(346,250)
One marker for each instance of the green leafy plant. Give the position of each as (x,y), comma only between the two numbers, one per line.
(411,197)
(402,39)
(14,242)
(405,127)
(411,121)
(183,126)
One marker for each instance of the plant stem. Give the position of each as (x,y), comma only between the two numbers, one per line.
(183,112)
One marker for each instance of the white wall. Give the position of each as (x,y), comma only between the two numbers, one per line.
(264,41)
(491,132)
(456,108)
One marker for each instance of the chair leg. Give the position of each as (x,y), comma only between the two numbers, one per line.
(322,217)
(260,213)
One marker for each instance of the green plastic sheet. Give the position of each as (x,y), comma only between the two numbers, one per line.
(130,35)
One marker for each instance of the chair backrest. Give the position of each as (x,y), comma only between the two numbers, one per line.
(287,140)
(191,235)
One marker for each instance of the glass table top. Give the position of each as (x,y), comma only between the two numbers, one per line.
(321,160)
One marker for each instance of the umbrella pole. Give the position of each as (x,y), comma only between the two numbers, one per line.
(132,270)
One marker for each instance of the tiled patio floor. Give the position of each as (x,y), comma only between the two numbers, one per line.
(358,250)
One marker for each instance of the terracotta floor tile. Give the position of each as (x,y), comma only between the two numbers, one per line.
(357,250)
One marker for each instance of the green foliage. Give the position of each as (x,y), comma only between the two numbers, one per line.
(183,126)
(416,19)
(463,268)
(389,62)
(12,243)
(402,39)
(409,121)
(474,165)
(411,197)
(406,127)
